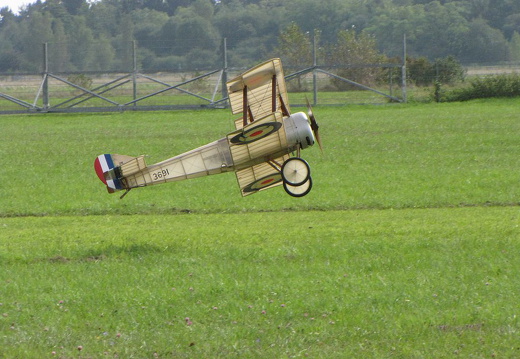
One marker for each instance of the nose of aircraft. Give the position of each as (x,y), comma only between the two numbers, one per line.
(314,124)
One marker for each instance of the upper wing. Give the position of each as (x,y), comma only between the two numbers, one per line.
(258,92)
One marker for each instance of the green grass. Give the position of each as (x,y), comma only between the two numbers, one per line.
(375,157)
(404,283)
(406,247)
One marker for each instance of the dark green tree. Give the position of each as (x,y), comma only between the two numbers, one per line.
(124,43)
(251,30)
(194,29)
(441,32)
(103,54)
(352,53)
(168,6)
(511,25)
(148,24)
(328,16)
(484,44)
(391,23)
(75,7)
(59,48)
(36,31)
(104,18)
(295,48)
(6,16)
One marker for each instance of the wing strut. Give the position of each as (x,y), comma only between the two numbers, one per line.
(275,165)
(273,96)
(244,105)
(285,110)
(250,113)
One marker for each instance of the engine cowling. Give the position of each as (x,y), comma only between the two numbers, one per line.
(298,130)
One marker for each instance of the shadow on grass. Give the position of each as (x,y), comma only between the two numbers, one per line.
(109,252)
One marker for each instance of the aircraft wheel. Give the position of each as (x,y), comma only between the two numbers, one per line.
(298,191)
(295,171)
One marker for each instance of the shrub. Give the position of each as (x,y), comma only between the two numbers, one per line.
(81,80)
(444,71)
(9,61)
(507,85)
(448,70)
(420,71)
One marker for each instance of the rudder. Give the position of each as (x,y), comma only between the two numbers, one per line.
(112,169)
(106,171)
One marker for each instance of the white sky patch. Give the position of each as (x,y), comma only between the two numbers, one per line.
(15,5)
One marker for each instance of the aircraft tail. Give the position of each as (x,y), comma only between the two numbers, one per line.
(112,170)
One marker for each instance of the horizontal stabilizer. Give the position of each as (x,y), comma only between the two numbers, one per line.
(134,165)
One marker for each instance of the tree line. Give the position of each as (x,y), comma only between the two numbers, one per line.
(188,34)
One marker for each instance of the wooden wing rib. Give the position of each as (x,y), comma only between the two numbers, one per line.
(263,139)
(259,177)
(258,92)
(131,166)
(258,151)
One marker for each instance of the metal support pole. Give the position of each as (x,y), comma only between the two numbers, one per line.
(45,85)
(403,70)
(225,68)
(134,75)
(391,80)
(314,64)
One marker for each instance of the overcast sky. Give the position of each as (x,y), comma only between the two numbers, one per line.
(15,4)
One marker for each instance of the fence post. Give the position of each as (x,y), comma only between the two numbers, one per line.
(391,80)
(403,70)
(45,85)
(314,64)
(134,75)
(225,68)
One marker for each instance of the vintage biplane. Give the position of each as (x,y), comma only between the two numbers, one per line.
(259,150)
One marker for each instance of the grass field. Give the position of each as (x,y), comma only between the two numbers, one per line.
(407,246)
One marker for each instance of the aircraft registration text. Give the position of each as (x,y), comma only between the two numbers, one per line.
(160,174)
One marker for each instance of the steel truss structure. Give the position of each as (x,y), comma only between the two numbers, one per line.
(105,99)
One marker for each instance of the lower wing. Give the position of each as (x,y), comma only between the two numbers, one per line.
(261,176)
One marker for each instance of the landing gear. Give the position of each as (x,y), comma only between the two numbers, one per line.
(295,171)
(298,191)
(296,175)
